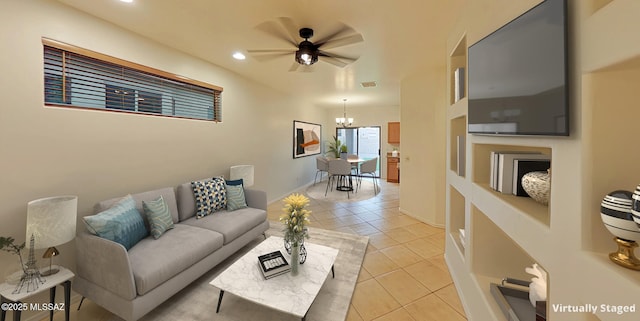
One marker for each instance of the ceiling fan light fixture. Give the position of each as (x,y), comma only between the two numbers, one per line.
(306,54)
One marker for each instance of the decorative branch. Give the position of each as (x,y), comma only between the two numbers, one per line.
(7,245)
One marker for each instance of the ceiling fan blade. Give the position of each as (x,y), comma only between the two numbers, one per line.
(292,29)
(272,28)
(268,56)
(349,40)
(334,61)
(305,68)
(341,29)
(294,67)
(332,55)
(256,52)
(301,68)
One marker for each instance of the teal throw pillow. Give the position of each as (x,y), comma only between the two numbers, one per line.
(211,196)
(235,197)
(121,223)
(234,182)
(158,215)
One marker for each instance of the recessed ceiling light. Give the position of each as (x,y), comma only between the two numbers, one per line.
(239,56)
(127,1)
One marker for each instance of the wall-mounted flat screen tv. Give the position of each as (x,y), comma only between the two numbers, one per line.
(518,76)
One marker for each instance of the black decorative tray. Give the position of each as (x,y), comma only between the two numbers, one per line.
(515,303)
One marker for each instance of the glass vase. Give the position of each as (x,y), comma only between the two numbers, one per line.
(302,251)
(295,258)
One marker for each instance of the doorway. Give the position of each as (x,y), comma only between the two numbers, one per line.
(362,141)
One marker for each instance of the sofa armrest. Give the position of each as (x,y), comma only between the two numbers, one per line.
(256,198)
(106,264)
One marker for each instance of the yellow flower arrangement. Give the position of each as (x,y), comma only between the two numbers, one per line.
(295,218)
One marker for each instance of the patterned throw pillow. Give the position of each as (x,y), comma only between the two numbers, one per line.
(121,223)
(211,196)
(235,197)
(158,215)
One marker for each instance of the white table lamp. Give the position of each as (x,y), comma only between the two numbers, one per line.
(52,222)
(242,171)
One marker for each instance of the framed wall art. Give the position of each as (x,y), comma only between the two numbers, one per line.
(306,139)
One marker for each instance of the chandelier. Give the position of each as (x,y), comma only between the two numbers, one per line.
(344,121)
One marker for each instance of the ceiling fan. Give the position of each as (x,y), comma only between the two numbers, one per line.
(307,53)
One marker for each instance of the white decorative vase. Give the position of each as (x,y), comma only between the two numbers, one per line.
(538,186)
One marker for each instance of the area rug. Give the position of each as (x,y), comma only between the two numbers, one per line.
(198,301)
(364,192)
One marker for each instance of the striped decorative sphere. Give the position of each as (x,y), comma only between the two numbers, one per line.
(635,208)
(615,212)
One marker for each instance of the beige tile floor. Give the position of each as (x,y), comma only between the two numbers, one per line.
(404,276)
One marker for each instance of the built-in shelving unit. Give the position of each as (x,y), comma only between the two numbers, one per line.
(458,59)
(458,219)
(458,130)
(505,233)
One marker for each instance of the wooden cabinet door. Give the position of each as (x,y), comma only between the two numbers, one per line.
(392,170)
(393,133)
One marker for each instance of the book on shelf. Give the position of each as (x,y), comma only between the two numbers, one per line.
(273,264)
(523,166)
(505,166)
(494,166)
(461,157)
(458,85)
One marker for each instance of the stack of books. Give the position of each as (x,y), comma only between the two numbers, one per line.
(273,264)
(508,167)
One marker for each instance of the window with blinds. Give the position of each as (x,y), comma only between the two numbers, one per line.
(76,77)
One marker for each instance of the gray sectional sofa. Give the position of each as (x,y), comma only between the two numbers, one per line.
(132,283)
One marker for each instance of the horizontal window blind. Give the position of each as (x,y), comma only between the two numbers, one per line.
(77,77)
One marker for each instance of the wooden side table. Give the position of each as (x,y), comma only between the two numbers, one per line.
(13,302)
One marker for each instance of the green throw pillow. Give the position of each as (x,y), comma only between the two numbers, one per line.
(235,197)
(121,223)
(158,215)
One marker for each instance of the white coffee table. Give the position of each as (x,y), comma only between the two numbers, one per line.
(244,279)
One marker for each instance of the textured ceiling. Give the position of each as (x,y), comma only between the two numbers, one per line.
(400,37)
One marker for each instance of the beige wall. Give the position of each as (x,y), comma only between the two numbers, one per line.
(422,161)
(98,155)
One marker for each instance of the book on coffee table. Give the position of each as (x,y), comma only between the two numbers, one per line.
(273,264)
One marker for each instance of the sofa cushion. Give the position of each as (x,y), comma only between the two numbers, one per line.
(167,194)
(211,196)
(235,197)
(158,215)
(230,224)
(121,223)
(156,261)
(186,201)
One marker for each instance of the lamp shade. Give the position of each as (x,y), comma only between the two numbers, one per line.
(52,220)
(242,171)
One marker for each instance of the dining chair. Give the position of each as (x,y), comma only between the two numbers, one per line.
(369,168)
(322,165)
(354,166)
(340,170)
